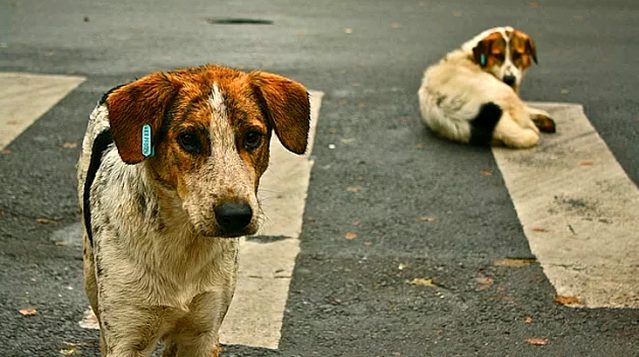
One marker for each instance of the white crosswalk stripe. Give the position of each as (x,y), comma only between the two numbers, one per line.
(256,313)
(24,97)
(579,211)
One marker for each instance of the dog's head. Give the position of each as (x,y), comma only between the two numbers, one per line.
(505,53)
(210,129)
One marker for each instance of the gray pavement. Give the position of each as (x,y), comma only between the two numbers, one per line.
(423,207)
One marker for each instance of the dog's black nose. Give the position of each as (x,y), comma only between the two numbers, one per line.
(233,217)
(510,80)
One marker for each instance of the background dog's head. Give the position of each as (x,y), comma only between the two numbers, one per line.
(504,52)
(210,131)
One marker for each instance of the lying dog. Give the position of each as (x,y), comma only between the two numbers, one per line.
(167,181)
(471,95)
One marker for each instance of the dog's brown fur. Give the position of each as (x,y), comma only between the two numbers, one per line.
(160,248)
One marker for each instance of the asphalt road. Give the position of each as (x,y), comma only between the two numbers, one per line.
(348,297)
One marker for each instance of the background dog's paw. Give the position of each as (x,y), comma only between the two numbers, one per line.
(544,123)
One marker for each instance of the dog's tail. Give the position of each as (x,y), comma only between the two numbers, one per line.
(484,123)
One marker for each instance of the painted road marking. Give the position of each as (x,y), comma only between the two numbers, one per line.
(24,97)
(256,313)
(579,211)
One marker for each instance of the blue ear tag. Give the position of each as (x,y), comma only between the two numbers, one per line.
(147,146)
(482,59)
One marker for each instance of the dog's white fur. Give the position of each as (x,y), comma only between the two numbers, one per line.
(453,91)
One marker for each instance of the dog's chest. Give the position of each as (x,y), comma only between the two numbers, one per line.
(144,245)
(165,274)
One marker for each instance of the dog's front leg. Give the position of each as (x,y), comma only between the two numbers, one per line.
(196,333)
(511,134)
(204,345)
(541,119)
(128,331)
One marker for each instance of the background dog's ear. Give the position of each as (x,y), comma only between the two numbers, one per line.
(286,105)
(481,51)
(531,48)
(134,105)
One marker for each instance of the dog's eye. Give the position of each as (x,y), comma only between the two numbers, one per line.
(252,140)
(189,142)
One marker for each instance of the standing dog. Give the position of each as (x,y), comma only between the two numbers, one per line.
(167,181)
(471,95)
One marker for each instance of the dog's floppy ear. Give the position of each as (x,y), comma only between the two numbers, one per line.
(481,51)
(531,48)
(525,43)
(484,50)
(286,105)
(138,106)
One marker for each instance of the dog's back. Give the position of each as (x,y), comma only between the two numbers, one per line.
(452,96)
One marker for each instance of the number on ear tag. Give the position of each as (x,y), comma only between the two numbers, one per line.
(147,146)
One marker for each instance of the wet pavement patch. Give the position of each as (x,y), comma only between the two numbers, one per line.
(70,235)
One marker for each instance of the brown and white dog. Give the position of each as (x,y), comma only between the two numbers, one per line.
(471,95)
(167,181)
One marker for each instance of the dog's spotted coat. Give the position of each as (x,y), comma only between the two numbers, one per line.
(160,247)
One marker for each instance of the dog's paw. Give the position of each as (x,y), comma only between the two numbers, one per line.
(544,123)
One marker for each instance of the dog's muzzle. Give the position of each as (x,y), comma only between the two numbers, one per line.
(510,80)
(233,218)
